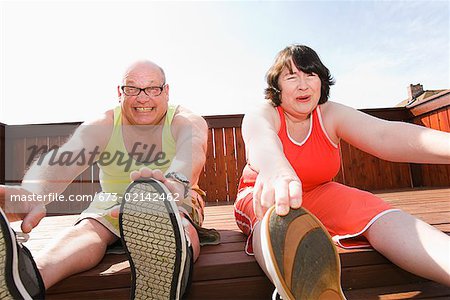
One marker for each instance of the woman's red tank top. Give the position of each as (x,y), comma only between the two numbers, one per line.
(316,159)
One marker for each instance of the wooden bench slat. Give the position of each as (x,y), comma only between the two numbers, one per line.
(231,164)
(443,227)
(210,172)
(423,290)
(258,287)
(219,158)
(360,277)
(119,293)
(240,154)
(223,247)
(217,266)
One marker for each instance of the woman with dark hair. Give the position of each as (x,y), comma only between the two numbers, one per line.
(292,145)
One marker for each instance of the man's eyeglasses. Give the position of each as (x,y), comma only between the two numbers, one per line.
(152,91)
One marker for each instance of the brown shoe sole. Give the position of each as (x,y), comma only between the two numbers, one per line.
(301,257)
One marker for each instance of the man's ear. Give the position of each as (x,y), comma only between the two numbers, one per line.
(166,90)
(119,93)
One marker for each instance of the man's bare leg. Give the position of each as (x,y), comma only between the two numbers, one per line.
(192,235)
(77,249)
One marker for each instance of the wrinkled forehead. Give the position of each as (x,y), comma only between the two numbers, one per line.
(145,73)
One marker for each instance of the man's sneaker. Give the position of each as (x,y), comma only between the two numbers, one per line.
(19,276)
(300,256)
(154,240)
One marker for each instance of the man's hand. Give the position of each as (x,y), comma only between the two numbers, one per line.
(176,188)
(284,190)
(31,212)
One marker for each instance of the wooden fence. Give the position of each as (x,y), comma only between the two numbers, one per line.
(435,113)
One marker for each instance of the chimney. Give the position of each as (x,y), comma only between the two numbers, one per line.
(414,91)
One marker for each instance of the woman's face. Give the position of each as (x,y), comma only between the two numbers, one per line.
(300,92)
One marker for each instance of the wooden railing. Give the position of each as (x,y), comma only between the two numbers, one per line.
(226,156)
(435,113)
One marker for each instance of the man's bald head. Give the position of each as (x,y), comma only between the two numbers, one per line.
(142,67)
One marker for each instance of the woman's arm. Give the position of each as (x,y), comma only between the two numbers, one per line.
(277,183)
(388,140)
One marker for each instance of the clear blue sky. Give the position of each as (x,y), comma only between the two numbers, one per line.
(62,61)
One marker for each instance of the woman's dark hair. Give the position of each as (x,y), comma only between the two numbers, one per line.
(307,61)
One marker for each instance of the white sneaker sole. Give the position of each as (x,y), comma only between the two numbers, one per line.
(154,240)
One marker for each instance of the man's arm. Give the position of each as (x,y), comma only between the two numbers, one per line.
(190,132)
(44,178)
(88,140)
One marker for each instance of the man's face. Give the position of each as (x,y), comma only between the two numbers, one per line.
(144,109)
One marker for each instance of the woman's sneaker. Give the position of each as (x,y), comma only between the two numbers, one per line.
(154,240)
(300,256)
(19,276)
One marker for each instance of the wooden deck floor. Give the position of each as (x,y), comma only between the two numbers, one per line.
(226,272)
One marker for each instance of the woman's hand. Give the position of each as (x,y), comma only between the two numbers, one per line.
(284,190)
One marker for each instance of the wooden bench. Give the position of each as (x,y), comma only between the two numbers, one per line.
(225,271)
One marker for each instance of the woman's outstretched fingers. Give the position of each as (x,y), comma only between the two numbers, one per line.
(257,207)
(295,194)
(281,197)
(267,196)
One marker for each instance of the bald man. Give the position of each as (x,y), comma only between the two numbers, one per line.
(162,148)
